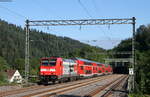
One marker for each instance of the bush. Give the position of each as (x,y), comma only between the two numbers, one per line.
(138,95)
(3,78)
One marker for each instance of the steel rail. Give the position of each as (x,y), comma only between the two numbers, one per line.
(100,89)
(109,92)
(66,87)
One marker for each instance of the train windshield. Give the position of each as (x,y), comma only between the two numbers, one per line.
(45,62)
(52,62)
(48,62)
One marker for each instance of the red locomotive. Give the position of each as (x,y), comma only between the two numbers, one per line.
(60,69)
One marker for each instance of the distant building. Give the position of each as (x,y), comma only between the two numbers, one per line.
(14,76)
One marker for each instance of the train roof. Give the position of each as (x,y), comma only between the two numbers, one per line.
(69,60)
(73,60)
(85,60)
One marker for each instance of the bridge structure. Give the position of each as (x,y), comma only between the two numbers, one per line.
(76,22)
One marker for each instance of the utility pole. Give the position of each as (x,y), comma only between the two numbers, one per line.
(131,81)
(27,53)
(133,52)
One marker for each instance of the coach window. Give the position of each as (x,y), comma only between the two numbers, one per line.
(100,71)
(90,71)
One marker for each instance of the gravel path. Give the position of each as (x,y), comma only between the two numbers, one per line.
(8,88)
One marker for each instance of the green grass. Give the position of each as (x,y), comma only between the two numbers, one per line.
(138,95)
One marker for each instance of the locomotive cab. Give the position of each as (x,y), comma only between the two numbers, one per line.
(49,69)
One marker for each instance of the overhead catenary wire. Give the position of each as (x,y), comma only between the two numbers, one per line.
(96,10)
(84,8)
(95,7)
(15,13)
(109,26)
(44,8)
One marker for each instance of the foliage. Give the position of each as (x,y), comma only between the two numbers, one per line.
(3,78)
(12,47)
(19,65)
(142,67)
(137,95)
(3,64)
(34,68)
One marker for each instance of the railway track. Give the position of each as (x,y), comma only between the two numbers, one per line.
(93,93)
(28,91)
(120,85)
(67,88)
(63,88)
(106,90)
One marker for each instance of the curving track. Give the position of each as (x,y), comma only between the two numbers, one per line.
(107,89)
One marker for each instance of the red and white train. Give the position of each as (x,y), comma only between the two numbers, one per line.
(60,69)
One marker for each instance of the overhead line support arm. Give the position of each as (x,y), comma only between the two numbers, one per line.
(80,22)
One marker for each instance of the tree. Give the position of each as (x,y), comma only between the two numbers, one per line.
(142,45)
(34,66)
(19,65)
(3,78)
(3,64)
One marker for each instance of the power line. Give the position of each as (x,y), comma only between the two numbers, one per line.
(45,8)
(85,9)
(95,6)
(16,13)
(82,5)
(95,42)
(96,10)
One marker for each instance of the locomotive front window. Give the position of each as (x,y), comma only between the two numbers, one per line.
(45,62)
(52,62)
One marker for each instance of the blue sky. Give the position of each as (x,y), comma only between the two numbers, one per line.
(107,36)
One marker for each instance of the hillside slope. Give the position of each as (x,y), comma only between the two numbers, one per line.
(12,46)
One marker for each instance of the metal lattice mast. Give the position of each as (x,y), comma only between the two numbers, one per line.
(133,53)
(27,52)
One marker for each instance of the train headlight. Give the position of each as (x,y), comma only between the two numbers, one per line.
(43,69)
(52,70)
